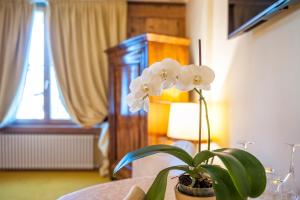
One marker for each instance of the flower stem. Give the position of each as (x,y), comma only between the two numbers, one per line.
(200,121)
(207,122)
(202,99)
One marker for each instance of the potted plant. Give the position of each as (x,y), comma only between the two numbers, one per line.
(242,175)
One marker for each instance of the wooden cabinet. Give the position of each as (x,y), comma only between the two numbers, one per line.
(160,18)
(128,131)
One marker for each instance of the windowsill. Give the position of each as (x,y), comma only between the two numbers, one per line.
(49,128)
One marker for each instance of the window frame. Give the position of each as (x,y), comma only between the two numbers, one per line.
(47,87)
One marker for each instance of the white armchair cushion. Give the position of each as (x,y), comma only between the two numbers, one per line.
(152,165)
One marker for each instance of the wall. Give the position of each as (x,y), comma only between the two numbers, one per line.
(163,18)
(256,93)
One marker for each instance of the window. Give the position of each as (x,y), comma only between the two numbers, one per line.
(40,99)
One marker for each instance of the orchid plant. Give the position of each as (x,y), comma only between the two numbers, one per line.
(164,75)
(241,177)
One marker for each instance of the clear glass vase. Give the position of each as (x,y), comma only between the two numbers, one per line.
(273,181)
(288,188)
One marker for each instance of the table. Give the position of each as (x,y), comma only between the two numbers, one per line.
(117,190)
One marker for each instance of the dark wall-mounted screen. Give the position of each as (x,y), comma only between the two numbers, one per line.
(246,14)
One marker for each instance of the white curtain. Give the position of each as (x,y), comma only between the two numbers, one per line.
(80,31)
(15,29)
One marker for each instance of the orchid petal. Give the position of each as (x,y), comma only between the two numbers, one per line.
(203,87)
(184,82)
(147,75)
(135,84)
(146,104)
(134,103)
(208,74)
(156,67)
(136,106)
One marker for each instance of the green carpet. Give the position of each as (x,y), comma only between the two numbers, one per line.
(44,185)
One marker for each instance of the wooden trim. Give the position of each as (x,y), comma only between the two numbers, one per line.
(150,37)
(251,3)
(160,1)
(162,10)
(34,122)
(95,168)
(40,129)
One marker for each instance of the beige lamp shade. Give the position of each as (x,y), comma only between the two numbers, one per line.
(184,122)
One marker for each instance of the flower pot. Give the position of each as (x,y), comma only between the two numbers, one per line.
(206,194)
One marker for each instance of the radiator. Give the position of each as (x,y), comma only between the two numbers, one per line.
(52,151)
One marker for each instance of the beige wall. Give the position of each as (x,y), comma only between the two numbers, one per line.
(256,94)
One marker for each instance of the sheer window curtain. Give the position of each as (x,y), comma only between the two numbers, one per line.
(79,32)
(15,28)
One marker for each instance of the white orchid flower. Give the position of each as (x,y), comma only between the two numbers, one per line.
(193,76)
(145,85)
(141,88)
(163,75)
(166,71)
(137,104)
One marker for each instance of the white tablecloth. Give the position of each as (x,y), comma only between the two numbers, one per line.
(117,190)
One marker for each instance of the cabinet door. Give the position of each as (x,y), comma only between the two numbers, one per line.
(128,130)
(158,125)
(130,126)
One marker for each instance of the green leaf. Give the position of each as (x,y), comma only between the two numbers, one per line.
(202,156)
(158,188)
(223,185)
(149,150)
(255,170)
(236,169)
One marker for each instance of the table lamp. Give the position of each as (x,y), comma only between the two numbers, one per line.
(184,122)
